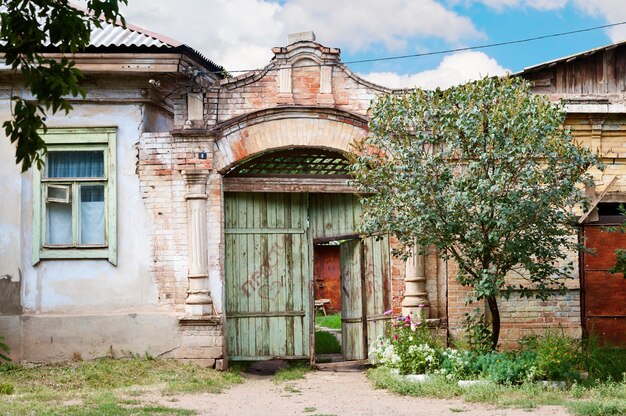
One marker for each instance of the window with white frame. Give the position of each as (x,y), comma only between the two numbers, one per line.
(74,196)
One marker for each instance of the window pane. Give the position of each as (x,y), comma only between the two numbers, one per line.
(59,192)
(59,223)
(79,164)
(92,214)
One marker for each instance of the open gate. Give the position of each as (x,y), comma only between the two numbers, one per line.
(269,240)
(365,280)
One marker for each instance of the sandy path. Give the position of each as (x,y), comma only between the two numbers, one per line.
(332,393)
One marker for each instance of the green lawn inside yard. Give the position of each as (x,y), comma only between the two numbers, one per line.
(326,343)
(104,387)
(328,321)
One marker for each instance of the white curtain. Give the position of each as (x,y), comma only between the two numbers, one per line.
(80,164)
(77,164)
(92,214)
(59,223)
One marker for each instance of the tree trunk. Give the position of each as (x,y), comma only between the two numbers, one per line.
(495,321)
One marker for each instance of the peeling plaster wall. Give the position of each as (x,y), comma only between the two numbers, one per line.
(10,218)
(60,286)
(85,307)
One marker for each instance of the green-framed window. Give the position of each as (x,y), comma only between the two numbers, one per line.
(74,196)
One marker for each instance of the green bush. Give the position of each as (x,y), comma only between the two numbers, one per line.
(506,368)
(4,351)
(557,356)
(326,343)
(6,388)
(478,334)
(458,364)
(603,362)
(409,346)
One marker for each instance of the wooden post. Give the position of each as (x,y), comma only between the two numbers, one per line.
(415,300)
(198,302)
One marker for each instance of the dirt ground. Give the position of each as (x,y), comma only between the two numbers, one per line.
(344,393)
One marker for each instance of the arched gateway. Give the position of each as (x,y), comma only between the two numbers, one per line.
(289,209)
(281,139)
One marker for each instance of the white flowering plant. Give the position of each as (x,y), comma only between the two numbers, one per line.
(457,364)
(409,346)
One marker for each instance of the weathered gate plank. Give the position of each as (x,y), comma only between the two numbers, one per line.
(266,284)
(352,319)
(334,215)
(377,280)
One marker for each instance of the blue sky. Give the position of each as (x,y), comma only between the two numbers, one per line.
(503,25)
(239,34)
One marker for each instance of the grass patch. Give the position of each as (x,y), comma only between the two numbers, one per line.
(603,362)
(599,399)
(329,321)
(295,371)
(105,386)
(326,343)
(599,408)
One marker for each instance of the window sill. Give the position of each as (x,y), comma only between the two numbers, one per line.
(73,253)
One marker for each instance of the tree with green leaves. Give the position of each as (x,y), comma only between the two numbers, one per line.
(485,173)
(28,29)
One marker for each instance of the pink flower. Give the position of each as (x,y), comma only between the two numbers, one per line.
(395,337)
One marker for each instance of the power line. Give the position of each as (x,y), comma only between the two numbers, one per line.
(446,51)
(488,45)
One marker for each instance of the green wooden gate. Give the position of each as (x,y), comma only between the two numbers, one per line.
(365,284)
(268,274)
(353,331)
(268,280)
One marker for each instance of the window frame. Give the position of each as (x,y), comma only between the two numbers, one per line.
(77,139)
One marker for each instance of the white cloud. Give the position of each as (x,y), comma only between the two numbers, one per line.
(453,69)
(239,34)
(612,11)
(362,23)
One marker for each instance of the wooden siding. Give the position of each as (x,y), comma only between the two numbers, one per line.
(603,72)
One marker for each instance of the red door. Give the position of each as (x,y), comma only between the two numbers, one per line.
(604,293)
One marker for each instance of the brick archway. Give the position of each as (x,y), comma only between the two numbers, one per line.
(244,137)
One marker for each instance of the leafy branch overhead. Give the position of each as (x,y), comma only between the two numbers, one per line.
(28,28)
(485,173)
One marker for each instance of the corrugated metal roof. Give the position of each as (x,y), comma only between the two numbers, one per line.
(111,35)
(114,35)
